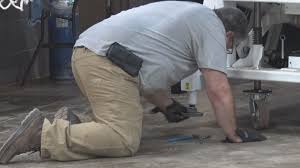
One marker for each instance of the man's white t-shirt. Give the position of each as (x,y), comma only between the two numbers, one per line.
(173,38)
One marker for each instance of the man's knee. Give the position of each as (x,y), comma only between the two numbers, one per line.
(134,146)
(125,147)
(130,138)
(130,147)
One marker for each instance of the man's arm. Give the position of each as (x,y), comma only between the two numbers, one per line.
(160,99)
(220,96)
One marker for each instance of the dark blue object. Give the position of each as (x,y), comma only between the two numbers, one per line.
(60,31)
(180,138)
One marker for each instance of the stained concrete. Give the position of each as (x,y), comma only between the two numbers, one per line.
(280,150)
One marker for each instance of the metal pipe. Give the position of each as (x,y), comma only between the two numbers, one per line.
(257,85)
(257,24)
(257,34)
(257,14)
(44,16)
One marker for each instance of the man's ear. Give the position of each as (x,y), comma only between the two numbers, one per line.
(229,39)
(229,35)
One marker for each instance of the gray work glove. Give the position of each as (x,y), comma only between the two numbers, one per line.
(247,136)
(175,112)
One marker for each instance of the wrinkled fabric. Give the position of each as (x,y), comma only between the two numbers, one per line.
(115,101)
(173,38)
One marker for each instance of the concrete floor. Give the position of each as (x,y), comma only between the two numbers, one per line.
(280,150)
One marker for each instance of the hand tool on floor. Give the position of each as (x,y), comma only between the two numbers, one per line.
(180,138)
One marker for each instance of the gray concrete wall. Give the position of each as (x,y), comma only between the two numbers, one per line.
(18,40)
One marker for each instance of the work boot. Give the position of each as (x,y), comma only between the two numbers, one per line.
(65,114)
(27,138)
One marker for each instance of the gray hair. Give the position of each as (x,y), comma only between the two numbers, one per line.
(234,20)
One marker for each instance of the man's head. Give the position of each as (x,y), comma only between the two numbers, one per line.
(235,23)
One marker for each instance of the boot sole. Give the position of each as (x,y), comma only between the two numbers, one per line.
(7,151)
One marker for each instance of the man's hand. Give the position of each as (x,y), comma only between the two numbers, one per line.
(234,139)
(174,112)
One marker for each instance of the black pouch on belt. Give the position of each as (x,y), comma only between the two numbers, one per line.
(125,59)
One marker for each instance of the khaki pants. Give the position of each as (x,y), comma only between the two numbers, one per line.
(115,101)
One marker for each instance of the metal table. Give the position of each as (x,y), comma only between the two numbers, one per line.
(258,103)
